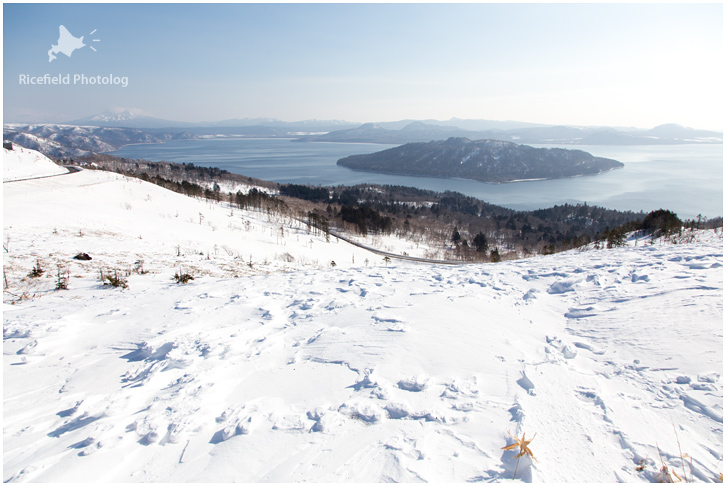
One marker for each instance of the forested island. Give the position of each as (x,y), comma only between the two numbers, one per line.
(491,161)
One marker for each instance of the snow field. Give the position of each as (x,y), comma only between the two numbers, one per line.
(408,372)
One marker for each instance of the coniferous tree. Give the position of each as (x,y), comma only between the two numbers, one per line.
(455,236)
(480,242)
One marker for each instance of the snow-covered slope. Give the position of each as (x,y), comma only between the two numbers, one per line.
(21,163)
(296,371)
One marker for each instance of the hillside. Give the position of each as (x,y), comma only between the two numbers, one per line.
(482,160)
(69,141)
(364,372)
(21,163)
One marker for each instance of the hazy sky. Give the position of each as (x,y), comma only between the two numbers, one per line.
(582,64)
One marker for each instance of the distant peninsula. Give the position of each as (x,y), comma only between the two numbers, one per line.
(491,161)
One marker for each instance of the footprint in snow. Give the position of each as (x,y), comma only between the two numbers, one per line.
(517,413)
(397,411)
(581,313)
(365,412)
(563,286)
(590,348)
(290,423)
(28,348)
(526,383)
(530,295)
(591,396)
(635,278)
(457,388)
(568,351)
(326,421)
(709,377)
(414,384)
(70,411)
(390,323)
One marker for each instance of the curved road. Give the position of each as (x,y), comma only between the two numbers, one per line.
(71,170)
(402,257)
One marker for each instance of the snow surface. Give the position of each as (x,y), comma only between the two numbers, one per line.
(298,371)
(21,163)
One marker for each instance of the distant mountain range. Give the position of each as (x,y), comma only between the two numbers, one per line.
(423,132)
(136,119)
(483,160)
(111,130)
(408,131)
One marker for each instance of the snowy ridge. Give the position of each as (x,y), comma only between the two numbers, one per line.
(21,163)
(297,371)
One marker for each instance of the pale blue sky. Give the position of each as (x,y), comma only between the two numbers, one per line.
(587,64)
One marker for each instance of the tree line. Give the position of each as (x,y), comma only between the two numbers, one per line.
(462,227)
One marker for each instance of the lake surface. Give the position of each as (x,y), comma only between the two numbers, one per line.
(687,179)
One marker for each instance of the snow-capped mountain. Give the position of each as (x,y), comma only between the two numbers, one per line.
(274,365)
(127,119)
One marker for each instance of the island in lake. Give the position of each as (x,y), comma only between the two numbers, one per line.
(491,161)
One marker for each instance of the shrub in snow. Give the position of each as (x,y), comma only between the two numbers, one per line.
(62,280)
(286,257)
(114,280)
(37,271)
(139,267)
(182,278)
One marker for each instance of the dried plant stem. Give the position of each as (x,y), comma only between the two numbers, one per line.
(683,462)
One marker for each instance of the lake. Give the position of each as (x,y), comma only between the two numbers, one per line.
(687,179)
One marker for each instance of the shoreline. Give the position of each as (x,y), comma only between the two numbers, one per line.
(292,139)
(493,183)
